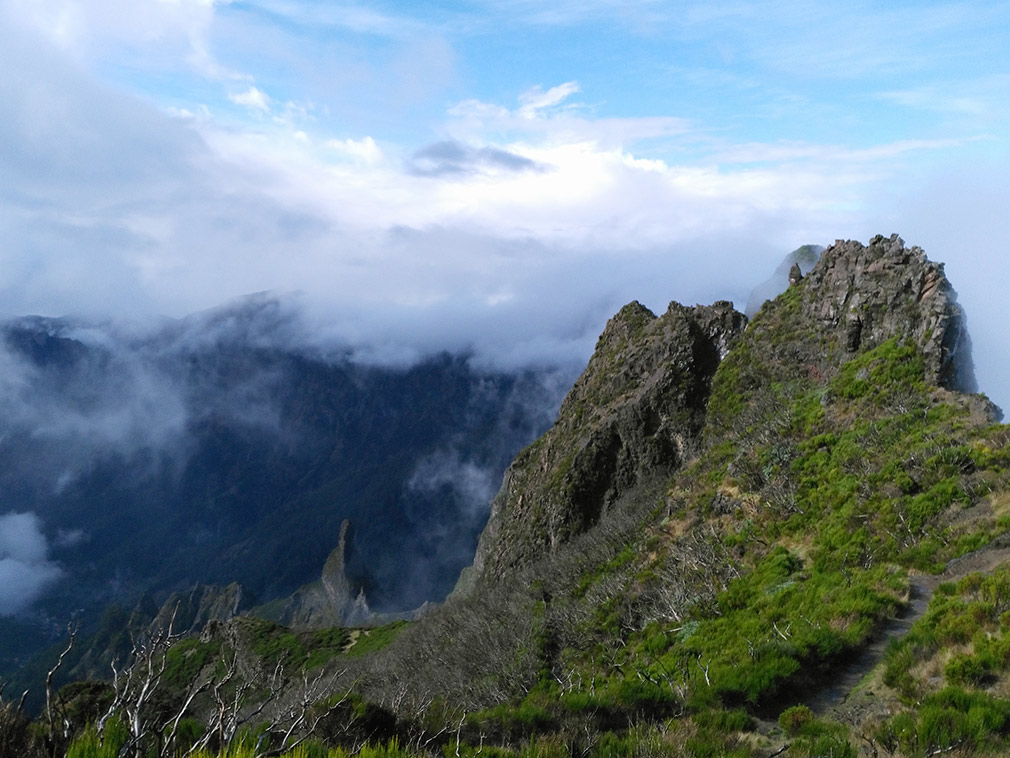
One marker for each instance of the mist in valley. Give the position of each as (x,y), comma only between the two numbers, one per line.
(229,446)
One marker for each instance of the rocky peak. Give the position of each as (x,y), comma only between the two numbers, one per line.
(643,401)
(334,577)
(335,599)
(631,417)
(864,295)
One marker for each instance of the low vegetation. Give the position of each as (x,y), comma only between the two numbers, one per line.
(705,615)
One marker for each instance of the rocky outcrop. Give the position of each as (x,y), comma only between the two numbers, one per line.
(633,415)
(334,600)
(854,299)
(799,261)
(191,610)
(862,296)
(795,274)
(644,397)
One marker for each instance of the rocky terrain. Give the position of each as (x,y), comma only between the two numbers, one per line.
(782,536)
(635,414)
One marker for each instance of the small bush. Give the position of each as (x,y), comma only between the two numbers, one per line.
(794,720)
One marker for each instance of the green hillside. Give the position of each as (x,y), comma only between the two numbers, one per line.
(781,538)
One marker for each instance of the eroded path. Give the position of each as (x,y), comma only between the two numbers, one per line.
(833,701)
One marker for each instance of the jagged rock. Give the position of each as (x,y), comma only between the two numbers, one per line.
(632,415)
(801,259)
(795,274)
(190,611)
(867,295)
(854,299)
(333,600)
(334,579)
(644,396)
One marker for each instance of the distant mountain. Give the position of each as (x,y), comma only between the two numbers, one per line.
(804,257)
(215,450)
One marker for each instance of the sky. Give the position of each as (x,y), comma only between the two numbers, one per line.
(494,175)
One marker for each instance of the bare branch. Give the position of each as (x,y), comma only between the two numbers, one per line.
(72,632)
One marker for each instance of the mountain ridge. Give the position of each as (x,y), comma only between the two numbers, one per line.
(724,517)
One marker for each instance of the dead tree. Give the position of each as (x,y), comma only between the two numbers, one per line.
(134,687)
(222,695)
(15,733)
(311,704)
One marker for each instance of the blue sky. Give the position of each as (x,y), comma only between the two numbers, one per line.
(498,174)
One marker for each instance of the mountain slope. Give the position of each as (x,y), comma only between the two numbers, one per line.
(634,415)
(837,461)
(717,530)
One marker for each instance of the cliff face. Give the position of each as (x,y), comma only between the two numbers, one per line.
(631,417)
(855,299)
(643,401)
(859,297)
(334,599)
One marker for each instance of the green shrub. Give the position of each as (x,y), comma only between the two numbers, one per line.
(377,638)
(970,670)
(794,720)
(92,745)
(823,746)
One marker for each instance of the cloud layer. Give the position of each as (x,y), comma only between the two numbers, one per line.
(25,569)
(513,224)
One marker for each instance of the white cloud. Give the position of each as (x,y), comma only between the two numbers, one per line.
(253,98)
(812,154)
(538,116)
(162,30)
(345,15)
(535,100)
(25,569)
(935,99)
(364,149)
(641,15)
(109,204)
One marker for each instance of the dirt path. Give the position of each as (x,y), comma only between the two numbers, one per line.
(832,700)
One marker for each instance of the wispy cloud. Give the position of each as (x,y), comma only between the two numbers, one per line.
(836,155)
(129,32)
(355,17)
(25,568)
(637,14)
(547,114)
(253,98)
(935,99)
(535,100)
(981,102)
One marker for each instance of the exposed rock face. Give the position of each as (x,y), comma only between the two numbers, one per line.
(334,599)
(203,603)
(864,296)
(644,397)
(631,416)
(856,298)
